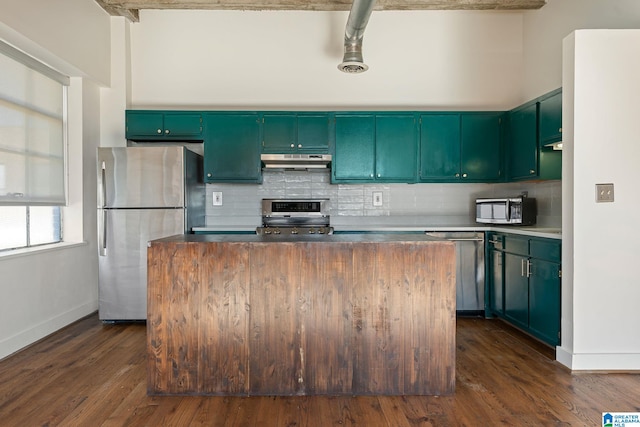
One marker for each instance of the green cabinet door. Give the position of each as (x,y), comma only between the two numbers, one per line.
(354,157)
(544,300)
(396,148)
(439,147)
(523,143)
(279,133)
(232,148)
(163,126)
(480,158)
(144,124)
(183,125)
(516,290)
(550,127)
(313,132)
(550,116)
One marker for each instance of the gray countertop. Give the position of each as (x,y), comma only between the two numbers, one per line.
(303,238)
(534,231)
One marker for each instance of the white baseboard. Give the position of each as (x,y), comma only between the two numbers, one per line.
(598,361)
(36,332)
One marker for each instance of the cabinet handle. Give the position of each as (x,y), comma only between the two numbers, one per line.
(560,130)
(208,175)
(293,145)
(522,267)
(159,130)
(299,145)
(464,175)
(495,242)
(457,175)
(371,176)
(166,131)
(532,172)
(378,175)
(528,268)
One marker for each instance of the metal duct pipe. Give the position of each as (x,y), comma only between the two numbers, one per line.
(358,18)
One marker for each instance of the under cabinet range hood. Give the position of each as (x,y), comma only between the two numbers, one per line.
(295,161)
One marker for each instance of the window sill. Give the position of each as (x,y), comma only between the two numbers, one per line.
(39,249)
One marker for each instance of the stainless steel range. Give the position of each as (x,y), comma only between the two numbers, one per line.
(295,217)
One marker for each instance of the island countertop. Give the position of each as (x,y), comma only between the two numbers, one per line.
(347,314)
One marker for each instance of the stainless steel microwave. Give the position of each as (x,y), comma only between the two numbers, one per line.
(508,210)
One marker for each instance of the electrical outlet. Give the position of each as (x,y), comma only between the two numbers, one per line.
(604,193)
(377,198)
(217,198)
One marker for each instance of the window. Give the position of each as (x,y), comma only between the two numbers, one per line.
(32,151)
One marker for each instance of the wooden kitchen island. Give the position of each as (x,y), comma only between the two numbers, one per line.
(352,314)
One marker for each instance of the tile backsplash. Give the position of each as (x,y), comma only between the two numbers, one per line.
(351,204)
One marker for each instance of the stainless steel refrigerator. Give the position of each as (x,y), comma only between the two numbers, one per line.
(144,193)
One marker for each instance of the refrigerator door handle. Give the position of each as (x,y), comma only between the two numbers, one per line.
(102,230)
(103,185)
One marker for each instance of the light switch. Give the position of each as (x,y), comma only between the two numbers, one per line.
(377,198)
(604,193)
(217,198)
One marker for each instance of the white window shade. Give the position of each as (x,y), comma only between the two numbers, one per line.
(32,132)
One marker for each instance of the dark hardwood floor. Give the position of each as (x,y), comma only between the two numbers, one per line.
(90,374)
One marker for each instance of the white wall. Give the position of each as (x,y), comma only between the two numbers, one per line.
(72,36)
(44,290)
(287,59)
(600,252)
(544,30)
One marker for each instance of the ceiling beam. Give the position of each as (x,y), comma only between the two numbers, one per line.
(130,8)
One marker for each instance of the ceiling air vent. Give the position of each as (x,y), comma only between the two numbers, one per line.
(352,62)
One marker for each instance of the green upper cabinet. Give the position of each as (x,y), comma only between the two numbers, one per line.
(313,132)
(523,142)
(459,147)
(375,147)
(279,133)
(550,126)
(551,118)
(232,147)
(295,133)
(533,126)
(354,157)
(481,147)
(145,125)
(439,147)
(396,148)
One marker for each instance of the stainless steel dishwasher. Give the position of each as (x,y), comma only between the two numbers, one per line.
(469,270)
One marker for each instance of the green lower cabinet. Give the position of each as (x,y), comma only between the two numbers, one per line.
(544,300)
(232,148)
(524,283)
(516,290)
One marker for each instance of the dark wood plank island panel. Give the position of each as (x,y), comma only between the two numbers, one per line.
(337,315)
